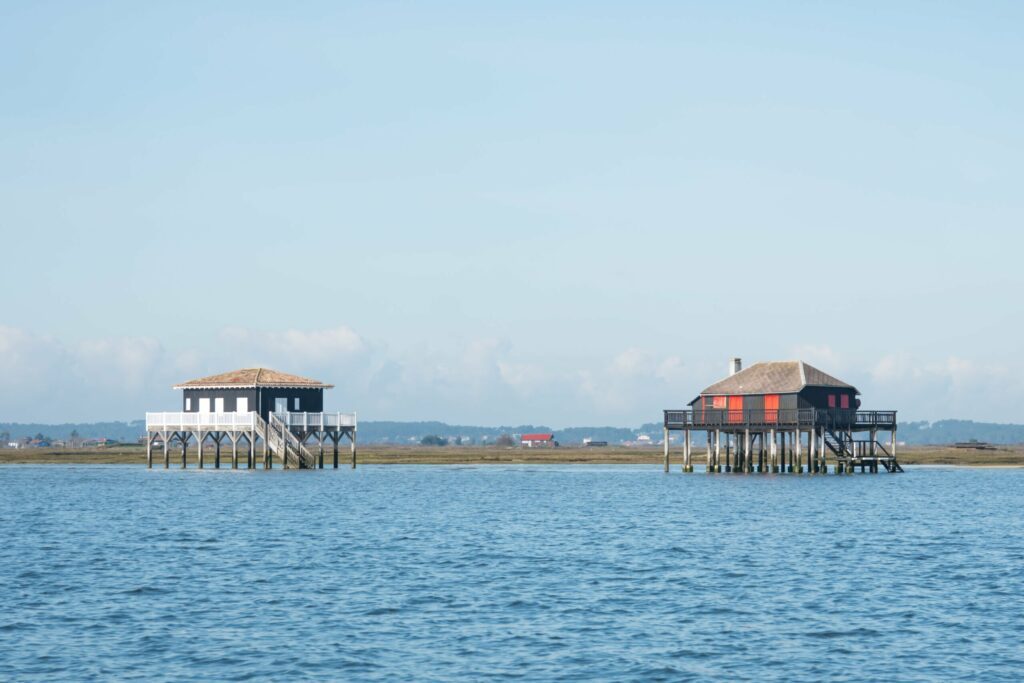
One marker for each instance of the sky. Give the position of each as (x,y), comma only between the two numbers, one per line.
(505,213)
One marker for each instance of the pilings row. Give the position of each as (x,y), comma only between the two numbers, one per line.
(792,451)
(242,443)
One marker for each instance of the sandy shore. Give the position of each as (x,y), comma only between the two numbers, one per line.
(1010,456)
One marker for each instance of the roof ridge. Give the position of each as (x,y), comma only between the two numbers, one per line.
(803,373)
(259,371)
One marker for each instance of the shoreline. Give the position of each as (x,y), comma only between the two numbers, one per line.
(1009,457)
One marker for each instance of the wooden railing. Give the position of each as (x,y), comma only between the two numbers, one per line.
(317,421)
(778,418)
(210,421)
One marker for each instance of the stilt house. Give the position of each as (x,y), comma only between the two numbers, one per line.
(252,408)
(782,416)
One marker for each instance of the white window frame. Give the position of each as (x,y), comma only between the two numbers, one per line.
(204,402)
(242,404)
(188,403)
(218,404)
(296,404)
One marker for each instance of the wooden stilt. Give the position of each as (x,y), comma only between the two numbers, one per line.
(747,461)
(149,450)
(709,467)
(352,436)
(665,430)
(234,451)
(167,454)
(718,450)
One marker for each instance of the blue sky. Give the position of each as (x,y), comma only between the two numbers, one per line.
(517,213)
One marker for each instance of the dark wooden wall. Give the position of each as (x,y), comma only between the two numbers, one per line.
(262,399)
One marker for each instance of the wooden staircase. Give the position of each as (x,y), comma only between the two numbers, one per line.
(283,444)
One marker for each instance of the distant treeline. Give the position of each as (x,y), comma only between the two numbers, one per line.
(941,432)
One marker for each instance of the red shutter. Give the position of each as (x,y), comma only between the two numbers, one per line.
(844,401)
(771,408)
(831,400)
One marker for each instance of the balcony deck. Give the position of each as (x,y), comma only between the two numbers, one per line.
(760,420)
(234,422)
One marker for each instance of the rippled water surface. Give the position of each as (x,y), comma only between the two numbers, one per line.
(531,572)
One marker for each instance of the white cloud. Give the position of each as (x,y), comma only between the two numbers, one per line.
(483,380)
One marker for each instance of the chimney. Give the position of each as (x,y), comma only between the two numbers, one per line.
(735,365)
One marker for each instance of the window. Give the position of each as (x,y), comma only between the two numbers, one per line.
(188,403)
(218,405)
(831,400)
(844,401)
(204,405)
(718,402)
(296,404)
(280,405)
(242,404)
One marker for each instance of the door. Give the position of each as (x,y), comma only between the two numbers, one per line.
(771,408)
(204,405)
(280,405)
(218,405)
(242,404)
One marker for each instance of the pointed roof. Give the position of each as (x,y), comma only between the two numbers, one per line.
(251,378)
(775,377)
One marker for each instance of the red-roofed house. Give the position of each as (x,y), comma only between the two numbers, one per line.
(531,440)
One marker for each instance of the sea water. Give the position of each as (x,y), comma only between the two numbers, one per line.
(509,572)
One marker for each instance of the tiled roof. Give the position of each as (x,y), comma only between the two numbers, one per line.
(253,377)
(537,437)
(777,377)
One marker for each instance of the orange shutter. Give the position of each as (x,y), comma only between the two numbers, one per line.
(771,408)
(735,409)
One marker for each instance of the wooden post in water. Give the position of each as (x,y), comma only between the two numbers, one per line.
(687,452)
(748,457)
(665,430)
(202,437)
(812,462)
(149,451)
(184,450)
(708,469)
(718,450)
(167,453)
(352,436)
(234,451)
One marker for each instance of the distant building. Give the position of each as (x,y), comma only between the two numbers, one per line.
(590,443)
(14,444)
(538,440)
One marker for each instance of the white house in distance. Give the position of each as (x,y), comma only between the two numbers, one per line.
(538,441)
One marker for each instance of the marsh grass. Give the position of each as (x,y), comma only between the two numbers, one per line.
(1007,456)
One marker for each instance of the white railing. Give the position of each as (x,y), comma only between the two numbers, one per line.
(215,421)
(211,421)
(318,420)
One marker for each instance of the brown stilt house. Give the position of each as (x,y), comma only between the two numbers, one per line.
(782,417)
(253,408)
